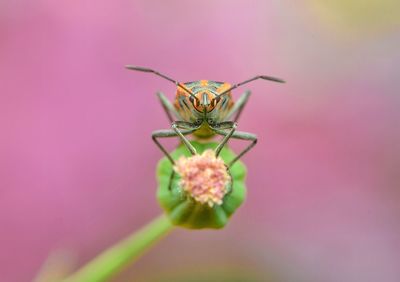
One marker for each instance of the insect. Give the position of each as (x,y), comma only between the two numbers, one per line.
(204,108)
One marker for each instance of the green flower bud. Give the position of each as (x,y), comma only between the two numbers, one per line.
(199,191)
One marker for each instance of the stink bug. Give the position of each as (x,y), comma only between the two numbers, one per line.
(204,108)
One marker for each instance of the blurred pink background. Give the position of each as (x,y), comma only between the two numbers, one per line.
(77,162)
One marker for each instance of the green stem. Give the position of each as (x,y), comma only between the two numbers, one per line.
(123,253)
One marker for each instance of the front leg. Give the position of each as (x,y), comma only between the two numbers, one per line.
(177,125)
(221,126)
(241,136)
(165,133)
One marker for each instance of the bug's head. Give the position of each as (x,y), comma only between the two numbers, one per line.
(205,102)
(205,92)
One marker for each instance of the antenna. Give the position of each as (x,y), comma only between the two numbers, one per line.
(178,84)
(250,80)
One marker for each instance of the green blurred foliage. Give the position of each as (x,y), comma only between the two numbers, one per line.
(358,16)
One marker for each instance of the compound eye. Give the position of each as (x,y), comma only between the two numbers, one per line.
(191,99)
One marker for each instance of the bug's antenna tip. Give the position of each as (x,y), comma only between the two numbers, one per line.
(130,67)
(272,78)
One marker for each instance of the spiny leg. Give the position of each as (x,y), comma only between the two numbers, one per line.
(221,126)
(239,106)
(167,133)
(168,107)
(241,136)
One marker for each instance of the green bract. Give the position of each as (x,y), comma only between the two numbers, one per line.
(186,212)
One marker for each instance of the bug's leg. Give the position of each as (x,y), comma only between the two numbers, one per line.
(221,126)
(171,178)
(167,106)
(177,125)
(164,134)
(239,106)
(241,136)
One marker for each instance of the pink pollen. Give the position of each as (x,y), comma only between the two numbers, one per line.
(204,177)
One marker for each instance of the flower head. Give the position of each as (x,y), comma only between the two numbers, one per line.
(199,191)
(204,177)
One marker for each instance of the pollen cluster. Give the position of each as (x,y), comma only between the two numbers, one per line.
(204,177)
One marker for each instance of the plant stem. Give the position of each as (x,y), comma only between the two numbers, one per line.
(123,253)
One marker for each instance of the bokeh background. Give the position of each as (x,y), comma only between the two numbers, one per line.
(77,163)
